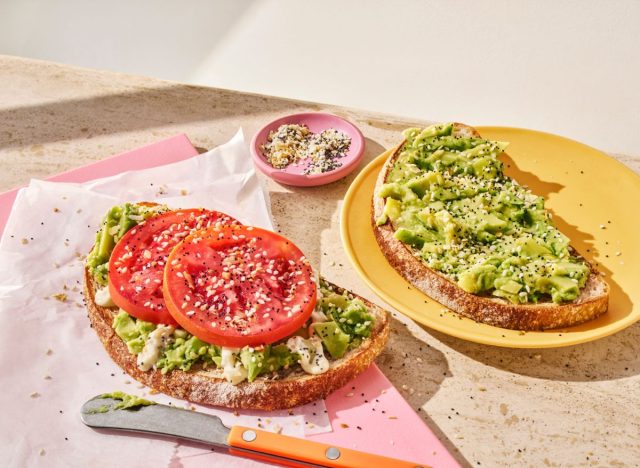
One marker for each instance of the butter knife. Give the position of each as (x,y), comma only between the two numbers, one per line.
(163,420)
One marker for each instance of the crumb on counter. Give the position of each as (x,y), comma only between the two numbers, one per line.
(62,297)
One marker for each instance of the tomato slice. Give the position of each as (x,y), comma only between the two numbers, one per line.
(239,286)
(137,262)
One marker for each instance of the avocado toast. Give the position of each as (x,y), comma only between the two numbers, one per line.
(338,337)
(453,225)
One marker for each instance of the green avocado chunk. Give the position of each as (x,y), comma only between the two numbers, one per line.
(185,350)
(333,338)
(449,200)
(118,220)
(348,323)
(354,319)
(268,359)
(132,331)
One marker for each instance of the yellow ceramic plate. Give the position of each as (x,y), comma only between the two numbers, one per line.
(595,201)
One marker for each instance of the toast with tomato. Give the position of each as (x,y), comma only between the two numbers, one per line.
(200,307)
(455,226)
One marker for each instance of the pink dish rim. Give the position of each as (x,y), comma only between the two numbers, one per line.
(352,159)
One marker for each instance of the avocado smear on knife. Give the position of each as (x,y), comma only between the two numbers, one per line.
(449,200)
(127,402)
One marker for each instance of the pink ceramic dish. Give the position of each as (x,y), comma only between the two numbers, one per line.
(294,173)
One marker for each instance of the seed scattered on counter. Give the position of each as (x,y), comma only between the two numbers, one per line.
(184,192)
(49,352)
(24,241)
(350,394)
(47,377)
(602,226)
(393,417)
(56,210)
(344,426)
(42,452)
(34,394)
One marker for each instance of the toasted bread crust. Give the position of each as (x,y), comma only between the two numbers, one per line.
(208,387)
(592,302)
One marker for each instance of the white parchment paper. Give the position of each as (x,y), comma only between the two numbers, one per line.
(52,361)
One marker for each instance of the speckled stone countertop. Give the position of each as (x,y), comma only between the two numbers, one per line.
(490,406)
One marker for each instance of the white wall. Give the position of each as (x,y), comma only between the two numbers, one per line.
(571,68)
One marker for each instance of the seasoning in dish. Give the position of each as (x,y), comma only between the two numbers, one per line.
(293,144)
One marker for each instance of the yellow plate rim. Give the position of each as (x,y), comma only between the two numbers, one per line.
(561,339)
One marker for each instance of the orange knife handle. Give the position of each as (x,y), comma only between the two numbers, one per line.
(292,451)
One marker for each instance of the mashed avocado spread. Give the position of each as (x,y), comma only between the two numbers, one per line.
(118,220)
(448,198)
(346,322)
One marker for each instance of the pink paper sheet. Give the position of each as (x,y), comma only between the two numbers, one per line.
(379,420)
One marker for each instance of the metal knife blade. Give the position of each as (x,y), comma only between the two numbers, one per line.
(156,419)
(165,420)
